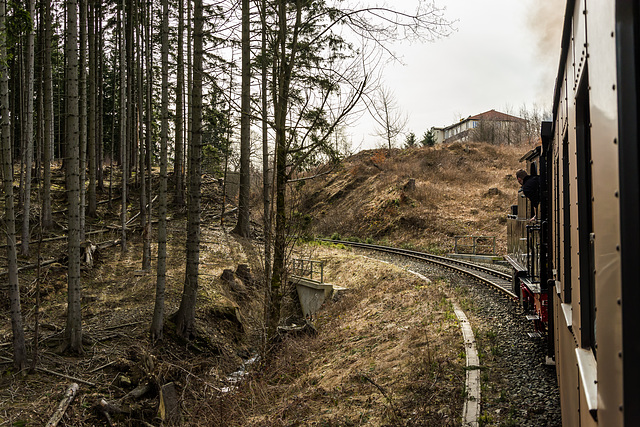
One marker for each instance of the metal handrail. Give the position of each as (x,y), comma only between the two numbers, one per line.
(476,243)
(533,251)
(307,268)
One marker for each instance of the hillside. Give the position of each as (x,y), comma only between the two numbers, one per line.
(419,197)
(357,355)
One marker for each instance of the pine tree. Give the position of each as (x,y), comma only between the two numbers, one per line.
(158,312)
(73,331)
(28,131)
(19,348)
(185,318)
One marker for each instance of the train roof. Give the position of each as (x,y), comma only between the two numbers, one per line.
(531,154)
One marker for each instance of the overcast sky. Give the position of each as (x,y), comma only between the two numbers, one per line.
(503,56)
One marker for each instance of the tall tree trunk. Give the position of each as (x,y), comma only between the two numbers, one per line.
(124,147)
(47,220)
(73,332)
(185,319)
(149,132)
(28,133)
(19,348)
(114,113)
(158,311)
(39,113)
(131,22)
(242,226)
(60,110)
(19,125)
(188,108)
(266,180)
(178,168)
(99,150)
(149,128)
(280,109)
(92,113)
(150,120)
(83,113)
(142,170)
(282,79)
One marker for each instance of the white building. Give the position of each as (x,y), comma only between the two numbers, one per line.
(462,129)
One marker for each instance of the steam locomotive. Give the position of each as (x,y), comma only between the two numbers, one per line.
(578,266)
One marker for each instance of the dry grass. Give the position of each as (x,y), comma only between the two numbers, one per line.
(387,353)
(459,189)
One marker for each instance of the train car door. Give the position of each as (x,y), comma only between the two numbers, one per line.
(628,67)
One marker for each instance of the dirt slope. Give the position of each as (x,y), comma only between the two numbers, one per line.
(460,189)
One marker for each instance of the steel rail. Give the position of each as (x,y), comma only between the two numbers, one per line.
(496,279)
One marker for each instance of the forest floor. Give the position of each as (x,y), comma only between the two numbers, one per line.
(386,352)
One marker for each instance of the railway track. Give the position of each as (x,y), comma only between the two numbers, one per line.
(495,279)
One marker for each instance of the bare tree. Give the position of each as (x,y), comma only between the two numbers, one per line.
(388,116)
(315,88)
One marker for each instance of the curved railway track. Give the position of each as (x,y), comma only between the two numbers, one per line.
(496,279)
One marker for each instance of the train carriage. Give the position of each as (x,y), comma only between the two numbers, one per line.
(524,231)
(589,251)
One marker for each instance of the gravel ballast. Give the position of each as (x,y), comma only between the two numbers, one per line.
(518,388)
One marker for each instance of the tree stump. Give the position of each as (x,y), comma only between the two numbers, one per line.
(243,272)
(410,185)
(169,405)
(236,286)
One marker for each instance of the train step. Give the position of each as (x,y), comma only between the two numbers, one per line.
(534,334)
(532,317)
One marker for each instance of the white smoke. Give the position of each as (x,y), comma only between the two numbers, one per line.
(546,22)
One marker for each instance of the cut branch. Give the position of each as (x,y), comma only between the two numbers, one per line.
(69,395)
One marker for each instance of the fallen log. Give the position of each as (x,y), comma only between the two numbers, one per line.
(138,214)
(64,404)
(32,266)
(227,213)
(53,239)
(59,260)
(137,392)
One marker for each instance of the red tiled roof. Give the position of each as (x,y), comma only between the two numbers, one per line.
(494,115)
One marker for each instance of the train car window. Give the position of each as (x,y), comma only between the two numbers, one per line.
(566,222)
(585,216)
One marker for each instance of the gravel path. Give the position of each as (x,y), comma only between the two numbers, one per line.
(518,389)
